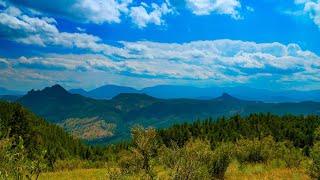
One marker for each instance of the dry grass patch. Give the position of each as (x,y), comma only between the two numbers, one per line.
(261,172)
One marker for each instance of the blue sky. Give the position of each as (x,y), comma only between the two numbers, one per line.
(267,44)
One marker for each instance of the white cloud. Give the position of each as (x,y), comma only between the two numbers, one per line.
(93,11)
(219,61)
(101,11)
(81,29)
(43,32)
(206,7)
(312,9)
(141,17)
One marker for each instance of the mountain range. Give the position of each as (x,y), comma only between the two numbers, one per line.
(173,92)
(190,92)
(4,91)
(112,119)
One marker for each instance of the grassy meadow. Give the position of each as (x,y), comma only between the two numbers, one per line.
(234,172)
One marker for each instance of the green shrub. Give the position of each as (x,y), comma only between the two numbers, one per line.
(13,159)
(220,160)
(188,162)
(255,151)
(196,160)
(290,155)
(130,162)
(315,156)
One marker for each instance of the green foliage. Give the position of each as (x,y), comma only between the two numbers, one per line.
(220,160)
(144,145)
(144,148)
(13,162)
(314,168)
(191,161)
(287,153)
(255,151)
(38,164)
(297,129)
(196,160)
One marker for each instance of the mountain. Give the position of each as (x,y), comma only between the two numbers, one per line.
(204,93)
(110,91)
(56,104)
(80,91)
(127,109)
(9,98)
(172,92)
(4,91)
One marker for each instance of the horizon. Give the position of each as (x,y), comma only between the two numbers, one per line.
(87,44)
(140,89)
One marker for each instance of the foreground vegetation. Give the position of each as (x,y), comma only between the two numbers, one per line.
(234,172)
(256,146)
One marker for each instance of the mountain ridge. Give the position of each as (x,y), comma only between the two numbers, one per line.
(128,109)
(205,93)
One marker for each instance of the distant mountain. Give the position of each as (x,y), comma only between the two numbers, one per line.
(172,92)
(80,91)
(4,91)
(104,92)
(56,104)
(127,109)
(205,93)
(9,98)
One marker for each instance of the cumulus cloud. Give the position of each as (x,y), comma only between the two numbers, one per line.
(25,29)
(311,8)
(206,7)
(222,61)
(141,17)
(101,11)
(106,11)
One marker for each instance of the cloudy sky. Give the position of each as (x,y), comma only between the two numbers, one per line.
(267,44)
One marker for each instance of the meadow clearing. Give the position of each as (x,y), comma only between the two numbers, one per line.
(234,172)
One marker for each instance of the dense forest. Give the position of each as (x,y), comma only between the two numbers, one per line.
(201,150)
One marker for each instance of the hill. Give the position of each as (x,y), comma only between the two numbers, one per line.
(125,110)
(37,134)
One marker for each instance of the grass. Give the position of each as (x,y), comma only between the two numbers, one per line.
(261,171)
(234,172)
(78,174)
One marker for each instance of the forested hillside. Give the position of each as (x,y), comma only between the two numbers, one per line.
(38,135)
(126,110)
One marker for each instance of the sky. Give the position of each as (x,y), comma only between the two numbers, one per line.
(265,44)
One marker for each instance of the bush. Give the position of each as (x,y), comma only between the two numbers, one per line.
(144,148)
(196,160)
(220,160)
(315,156)
(255,151)
(188,162)
(13,159)
(290,155)
(130,162)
